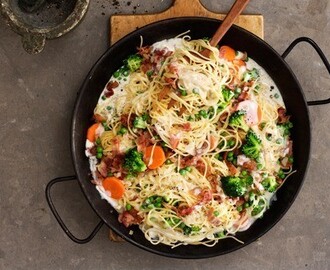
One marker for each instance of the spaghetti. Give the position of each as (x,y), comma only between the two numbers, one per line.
(200,144)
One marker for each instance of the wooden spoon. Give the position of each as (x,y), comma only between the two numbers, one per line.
(229,20)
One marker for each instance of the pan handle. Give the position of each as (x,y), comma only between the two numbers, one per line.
(59,219)
(322,56)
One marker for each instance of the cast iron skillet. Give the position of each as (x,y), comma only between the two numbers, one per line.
(237,38)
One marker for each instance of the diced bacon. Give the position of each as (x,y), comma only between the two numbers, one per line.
(282,117)
(213,142)
(143,141)
(185,210)
(165,91)
(102,168)
(243,96)
(250,165)
(129,218)
(204,196)
(186,126)
(174,141)
(232,169)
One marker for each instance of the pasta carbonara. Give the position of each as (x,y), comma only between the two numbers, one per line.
(190,148)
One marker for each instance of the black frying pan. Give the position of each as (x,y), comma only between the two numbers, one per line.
(237,38)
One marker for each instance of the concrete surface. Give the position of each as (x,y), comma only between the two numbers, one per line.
(37,94)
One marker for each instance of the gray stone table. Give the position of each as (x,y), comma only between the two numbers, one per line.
(37,94)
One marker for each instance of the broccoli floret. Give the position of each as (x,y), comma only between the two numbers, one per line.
(134,62)
(141,121)
(227,94)
(286,128)
(235,186)
(270,184)
(251,75)
(252,146)
(133,162)
(237,120)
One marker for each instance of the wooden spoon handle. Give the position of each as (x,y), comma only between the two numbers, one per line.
(234,12)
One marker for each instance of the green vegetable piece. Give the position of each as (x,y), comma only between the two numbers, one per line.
(133,161)
(134,62)
(128,207)
(227,94)
(270,184)
(99,155)
(235,186)
(141,121)
(285,127)
(258,209)
(99,149)
(252,147)
(122,131)
(251,75)
(237,120)
(183,171)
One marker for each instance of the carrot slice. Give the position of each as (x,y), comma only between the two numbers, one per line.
(227,52)
(99,118)
(239,62)
(91,136)
(157,159)
(115,186)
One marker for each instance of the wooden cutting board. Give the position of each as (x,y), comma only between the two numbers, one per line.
(121,25)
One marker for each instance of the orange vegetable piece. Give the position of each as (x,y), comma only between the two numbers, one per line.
(91,136)
(158,156)
(239,62)
(115,186)
(227,53)
(99,118)
(259,112)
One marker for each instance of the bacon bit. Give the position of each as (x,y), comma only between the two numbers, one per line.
(165,91)
(214,181)
(282,117)
(111,164)
(172,82)
(211,218)
(129,218)
(127,122)
(186,126)
(205,196)
(231,167)
(182,110)
(92,150)
(200,166)
(243,96)
(213,142)
(223,116)
(102,168)
(289,145)
(250,165)
(184,210)
(174,141)
(143,141)
(172,103)
(189,161)
(144,51)
(111,85)
(116,143)
(146,66)
(173,68)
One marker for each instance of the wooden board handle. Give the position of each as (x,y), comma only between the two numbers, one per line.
(120,25)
